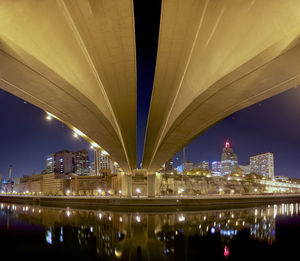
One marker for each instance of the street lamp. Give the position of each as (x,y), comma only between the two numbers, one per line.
(99,191)
(68,192)
(180,191)
(138,191)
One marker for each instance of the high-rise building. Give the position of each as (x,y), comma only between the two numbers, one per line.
(263,164)
(216,168)
(185,166)
(229,160)
(188,165)
(169,166)
(66,162)
(50,163)
(203,165)
(82,162)
(104,165)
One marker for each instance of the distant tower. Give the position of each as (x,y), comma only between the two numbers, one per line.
(229,160)
(183,152)
(10,170)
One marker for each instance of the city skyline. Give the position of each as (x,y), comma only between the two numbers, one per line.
(271,125)
(30,125)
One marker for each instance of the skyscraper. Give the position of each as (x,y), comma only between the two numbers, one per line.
(216,168)
(66,162)
(104,165)
(229,160)
(263,164)
(82,162)
(50,163)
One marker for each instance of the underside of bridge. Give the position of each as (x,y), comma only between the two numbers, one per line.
(76,60)
(215,58)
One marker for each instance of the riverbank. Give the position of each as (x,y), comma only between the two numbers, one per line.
(152,204)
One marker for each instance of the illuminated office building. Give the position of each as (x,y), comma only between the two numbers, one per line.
(263,164)
(82,162)
(204,165)
(66,162)
(216,168)
(229,160)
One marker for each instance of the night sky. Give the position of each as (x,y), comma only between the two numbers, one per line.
(26,137)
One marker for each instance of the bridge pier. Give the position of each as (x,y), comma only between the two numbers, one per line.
(127,184)
(151,188)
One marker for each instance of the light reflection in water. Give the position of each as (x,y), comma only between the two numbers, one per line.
(120,235)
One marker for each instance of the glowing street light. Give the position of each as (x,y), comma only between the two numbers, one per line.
(68,192)
(48,117)
(75,135)
(180,191)
(138,191)
(181,218)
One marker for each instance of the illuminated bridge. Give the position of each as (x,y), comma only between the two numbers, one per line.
(77,60)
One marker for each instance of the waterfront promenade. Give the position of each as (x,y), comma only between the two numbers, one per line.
(153,204)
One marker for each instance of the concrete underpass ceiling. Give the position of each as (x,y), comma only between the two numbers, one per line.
(234,54)
(77,60)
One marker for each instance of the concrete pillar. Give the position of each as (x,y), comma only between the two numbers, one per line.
(126,180)
(151,185)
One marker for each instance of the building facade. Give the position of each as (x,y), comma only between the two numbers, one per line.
(82,162)
(245,168)
(216,168)
(263,164)
(65,162)
(203,165)
(104,165)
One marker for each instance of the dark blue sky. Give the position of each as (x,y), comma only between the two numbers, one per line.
(269,126)
(26,137)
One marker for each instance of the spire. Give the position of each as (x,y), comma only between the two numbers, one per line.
(10,170)
(227,144)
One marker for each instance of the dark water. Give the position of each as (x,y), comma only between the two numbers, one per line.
(271,232)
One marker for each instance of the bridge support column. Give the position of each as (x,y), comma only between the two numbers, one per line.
(127,184)
(151,188)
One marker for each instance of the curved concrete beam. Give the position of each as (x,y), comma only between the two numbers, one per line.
(215,58)
(76,60)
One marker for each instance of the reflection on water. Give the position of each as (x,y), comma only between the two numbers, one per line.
(105,235)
